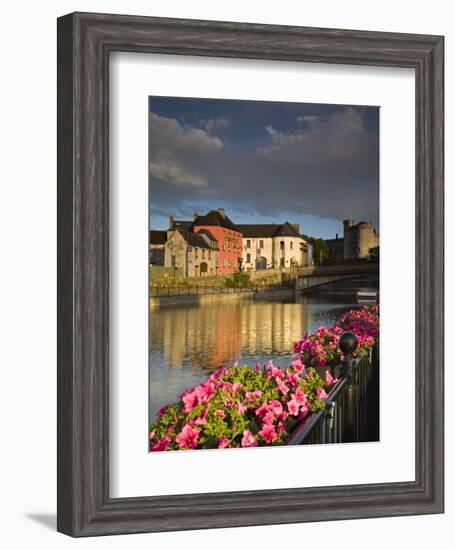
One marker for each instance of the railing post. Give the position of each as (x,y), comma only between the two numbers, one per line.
(348,345)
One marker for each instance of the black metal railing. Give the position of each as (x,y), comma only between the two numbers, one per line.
(352,407)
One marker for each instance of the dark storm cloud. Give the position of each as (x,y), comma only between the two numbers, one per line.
(324,164)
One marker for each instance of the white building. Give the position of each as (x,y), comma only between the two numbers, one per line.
(272,246)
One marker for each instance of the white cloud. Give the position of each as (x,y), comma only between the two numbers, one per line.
(179,155)
(328,169)
(174,174)
(215,125)
(308,119)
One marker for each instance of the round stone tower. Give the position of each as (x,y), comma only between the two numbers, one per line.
(367,239)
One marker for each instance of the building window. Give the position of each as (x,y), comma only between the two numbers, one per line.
(291,244)
(248,243)
(210,254)
(203,253)
(261,244)
(248,258)
(196,250)
(282,245)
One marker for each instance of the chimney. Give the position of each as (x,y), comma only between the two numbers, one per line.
(171,222)
(336,236)
(348,223)
(195,216)
(296,226)
(221,211)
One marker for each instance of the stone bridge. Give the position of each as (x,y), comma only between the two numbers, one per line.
(310,277)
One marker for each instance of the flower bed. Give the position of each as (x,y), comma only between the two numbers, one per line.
(321,348)
(245,407)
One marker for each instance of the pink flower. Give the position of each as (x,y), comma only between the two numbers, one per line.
(188,437)
(281,429)
(248,439)
(236,386)
(201,420)
(268,433)
(206,391)
(293,379)
(293,407)
(320,392)
(299,396)
(329,379)
(223,442)
(298,365)
(217,374)
(276,407)
(282,386)
(241,408)
(162,444)
(262,409)
(162,410)
(152,435)
(269,417)
(191,400)
(220,414)
(273,372)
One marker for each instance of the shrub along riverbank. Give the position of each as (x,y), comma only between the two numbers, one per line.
(247,407)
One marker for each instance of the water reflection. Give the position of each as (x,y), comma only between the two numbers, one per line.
(187,342)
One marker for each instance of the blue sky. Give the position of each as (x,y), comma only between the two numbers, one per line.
(264,162)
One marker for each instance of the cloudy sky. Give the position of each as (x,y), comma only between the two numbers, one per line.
(264,162)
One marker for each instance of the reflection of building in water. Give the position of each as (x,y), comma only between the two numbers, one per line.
(207,335)
(214,335)
(272,327)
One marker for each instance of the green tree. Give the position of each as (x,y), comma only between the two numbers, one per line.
(321,251)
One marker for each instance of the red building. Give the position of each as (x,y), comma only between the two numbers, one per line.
(228,236)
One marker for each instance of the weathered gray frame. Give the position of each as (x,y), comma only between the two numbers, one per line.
(84,44)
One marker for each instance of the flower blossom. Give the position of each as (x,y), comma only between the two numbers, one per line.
(268,433)
(248,439)
(162,444)
(188,437)
(329,379)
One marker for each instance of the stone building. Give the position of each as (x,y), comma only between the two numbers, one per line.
(359,239)
(228,236)
(157,241)
(272,246)
(357,242)
(336,248)
(196,254)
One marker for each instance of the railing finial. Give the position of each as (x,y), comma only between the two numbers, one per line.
(348,344)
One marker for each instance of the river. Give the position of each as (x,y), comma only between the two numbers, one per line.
(188,342)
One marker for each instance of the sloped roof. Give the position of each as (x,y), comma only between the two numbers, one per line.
(215,218)
(265,230)
(157,237)
(287,230)
(207,232)
(198,241)
(184,224)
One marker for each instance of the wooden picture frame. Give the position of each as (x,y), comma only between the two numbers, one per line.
(84,44)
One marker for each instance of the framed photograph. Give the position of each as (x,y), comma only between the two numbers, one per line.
(250,284)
